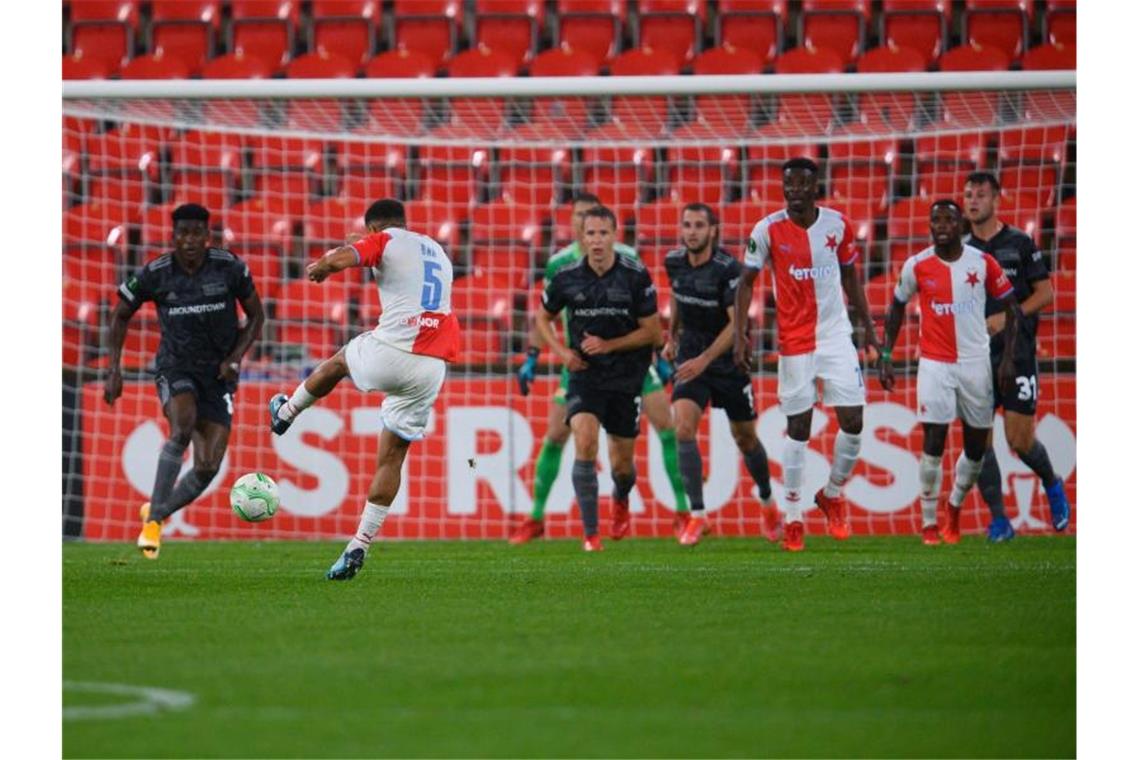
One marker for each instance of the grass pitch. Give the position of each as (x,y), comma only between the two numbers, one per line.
(875,647)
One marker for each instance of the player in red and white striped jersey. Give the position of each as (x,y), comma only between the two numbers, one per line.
(404,357)
(955,377)
(812,254)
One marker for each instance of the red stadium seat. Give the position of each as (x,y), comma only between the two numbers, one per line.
(103,31)
(1050,105)
(236,66)
(264,29)
(212,160)
(591,26)
(512,27)
(1061,22)
(949,154)
(894,109)
(262,236)
(812,113)
(372,159)
(329,221)
(212,190)
(1001,24)
(942,182)
(366,188)
(1023,210)
(400,64)
(156,66)
(974,57)
(317,114)
(430,27)
(738,219)
(658,224)
(288,193)
(1037,181)
(156,227)
(281,153)
(482,304)
(1057,337)
(755,25)
(880,291)
(313,317)
(646,115)
(1034,144)
(566,116)
(908,228)
(672,26)
(345,27)
(1065,292)
(1066,236)
(730,113)
(82,309)
(617,174)
(97,226)
(142,339)
(76,66)
(700,173)
(763,178)
(185,30)
(320,65)
(506,222)
(971,109)
(838,25)
(403,116)
(533,175)
(477,116)
(440,221)
(512,264)
(448,175)
(917,24)
(1050,57)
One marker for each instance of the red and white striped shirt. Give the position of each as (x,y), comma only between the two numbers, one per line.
(414,277)
(805,268)
(952,301)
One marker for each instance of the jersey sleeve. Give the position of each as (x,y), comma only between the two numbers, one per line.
(729,282)
(138,288)
(370,249)
(759,244)
(553,299)
(1033,264)
(241,281)
(848,252)
(997,284)
(908,284)
(645,295)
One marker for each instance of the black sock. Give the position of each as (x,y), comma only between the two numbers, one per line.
(1037,458)
(757,463)
(692,471)
(169,463)
(189,487)
(623,484)
(989,484)
(585,479)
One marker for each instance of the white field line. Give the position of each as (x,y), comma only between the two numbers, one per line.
(148,700)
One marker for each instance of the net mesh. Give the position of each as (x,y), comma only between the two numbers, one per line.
(491,180)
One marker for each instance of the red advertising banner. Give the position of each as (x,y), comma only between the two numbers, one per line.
(471,477)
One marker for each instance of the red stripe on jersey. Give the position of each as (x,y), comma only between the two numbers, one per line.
(938,337)
(847,252)
(797,312)
(438,336)
(370,248)
(997,284)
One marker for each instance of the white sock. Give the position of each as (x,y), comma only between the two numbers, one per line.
(846,454)
(370,521)
(795,452)
(930,488)
(297,403)
(966,473)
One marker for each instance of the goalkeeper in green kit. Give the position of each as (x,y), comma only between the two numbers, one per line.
(653,400)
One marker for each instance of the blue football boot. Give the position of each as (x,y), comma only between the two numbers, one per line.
(278,425)
(347,565)
(1058,505)
(1000,531)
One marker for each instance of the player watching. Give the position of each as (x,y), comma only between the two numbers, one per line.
(653,400)
(703,278)
(955,377)
(405,357)
(195,290)
(812,253)
(1028,271)
(612,328)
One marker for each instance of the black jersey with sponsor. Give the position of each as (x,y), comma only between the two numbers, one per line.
(197,313)
(703,295)
(1024,265)
(608,306)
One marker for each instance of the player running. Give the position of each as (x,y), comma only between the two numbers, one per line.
(955,376)
(653,401)
(703,279)
(812,253)
(612,328)
(1028,272)
(195,290)
(405,357)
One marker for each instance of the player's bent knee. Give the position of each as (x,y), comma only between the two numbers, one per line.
(850,420)
(745,438)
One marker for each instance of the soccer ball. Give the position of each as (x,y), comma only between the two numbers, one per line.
(254,497)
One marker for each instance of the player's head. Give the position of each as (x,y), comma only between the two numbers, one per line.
(191,229)
(981,196)
(801,180)
(698,227)
(599,231)
(945,222)
(581,203)
(384,213)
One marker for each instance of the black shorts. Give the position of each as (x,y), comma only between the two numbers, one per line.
(1022,397)
(619,413)
(732,393)
(215,396)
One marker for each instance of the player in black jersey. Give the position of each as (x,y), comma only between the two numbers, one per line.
(195,290)
(612,326)
(703,278)
(1028,271)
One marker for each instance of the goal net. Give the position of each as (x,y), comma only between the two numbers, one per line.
(488,168)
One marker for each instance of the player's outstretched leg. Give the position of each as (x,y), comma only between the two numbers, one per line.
(381,493)
(283,410)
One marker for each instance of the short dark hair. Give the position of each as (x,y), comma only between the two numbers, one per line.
(709,213)
(585,198)
(800,162)
(191,212)
(601,212)
(948,202)
(982,178)
(385,210)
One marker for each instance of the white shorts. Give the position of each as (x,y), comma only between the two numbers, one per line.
(409,381)
(964,390)
(835,363)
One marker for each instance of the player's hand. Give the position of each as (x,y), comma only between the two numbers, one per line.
(229,371)
(873,354)
(593,345)
(664,367)
(669,351)
(317,271)
(1006,375)
(691,369)
(525,373)
(995,323)
(886,372)
(114,386)
(573,361)
(742,355)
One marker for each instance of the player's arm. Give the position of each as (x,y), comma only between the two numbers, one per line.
(857,297)
(999,287)
(699,363)
(669,352)
(544,324)
(251,331)
(335,260)
(741,346)
(116,334)
(904,291)
(648,333)
(1040,297)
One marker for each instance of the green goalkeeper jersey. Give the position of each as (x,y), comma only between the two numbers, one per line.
(569,255)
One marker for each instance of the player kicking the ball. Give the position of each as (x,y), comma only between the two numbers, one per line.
(955,378)
(405,356)
(812,254)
